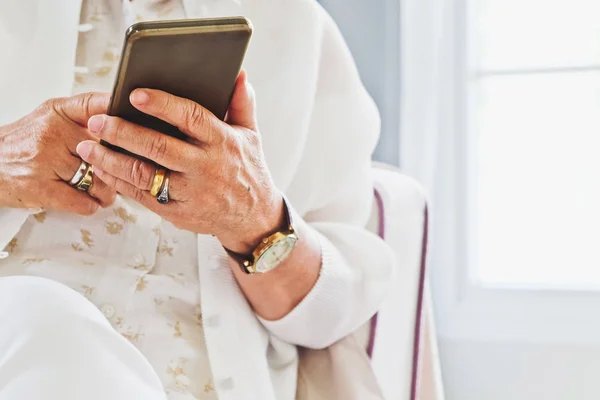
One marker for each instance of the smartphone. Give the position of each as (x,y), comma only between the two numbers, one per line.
(198,59)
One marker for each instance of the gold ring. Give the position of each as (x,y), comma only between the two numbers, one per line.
(85,184)
(159,177)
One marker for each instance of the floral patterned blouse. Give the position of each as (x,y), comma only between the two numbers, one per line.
(138,269)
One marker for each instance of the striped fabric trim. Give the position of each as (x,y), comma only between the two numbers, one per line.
(419,307)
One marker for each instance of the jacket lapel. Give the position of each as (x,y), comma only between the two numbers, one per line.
(40,40)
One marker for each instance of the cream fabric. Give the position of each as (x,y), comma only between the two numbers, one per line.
(139,270)
(102,31)
(340,372)
(318,126)
(56,345)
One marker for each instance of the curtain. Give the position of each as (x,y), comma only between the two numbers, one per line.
(427,42)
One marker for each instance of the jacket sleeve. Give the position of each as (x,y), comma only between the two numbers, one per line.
(11,220)
(357,267)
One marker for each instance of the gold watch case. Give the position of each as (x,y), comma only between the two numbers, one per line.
(271,252)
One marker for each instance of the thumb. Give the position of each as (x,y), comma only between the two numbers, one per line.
(242,109)
(81,107)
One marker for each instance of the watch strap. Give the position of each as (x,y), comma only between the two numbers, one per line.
(245,262)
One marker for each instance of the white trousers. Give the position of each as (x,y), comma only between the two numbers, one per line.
(56,345)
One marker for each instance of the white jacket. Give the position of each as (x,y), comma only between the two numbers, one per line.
(319,128)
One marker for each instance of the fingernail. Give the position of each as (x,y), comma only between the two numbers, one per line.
(84,149)
(139,97)
(245,77)
(96,123)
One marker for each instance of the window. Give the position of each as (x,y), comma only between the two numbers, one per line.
(516,190)
(533,113)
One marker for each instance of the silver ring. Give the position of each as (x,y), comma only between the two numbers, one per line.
(163,195)
(79,174)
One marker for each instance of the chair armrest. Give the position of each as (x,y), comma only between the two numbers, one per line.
(402,212)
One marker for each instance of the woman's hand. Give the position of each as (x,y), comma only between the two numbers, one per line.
(219,182)
(38,157)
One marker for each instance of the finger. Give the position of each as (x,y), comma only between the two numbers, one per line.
(62,197)
(242,109)
(130,169)
(99,190)
(75,136)
(68,162)
(68,167)
(189,117)
(164,150)
(104,194)
(62,161)
(141,196)
(81,107)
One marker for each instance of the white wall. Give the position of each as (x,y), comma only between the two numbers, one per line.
(520,371)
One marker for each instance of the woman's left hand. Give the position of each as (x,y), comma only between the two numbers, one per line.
(219,181)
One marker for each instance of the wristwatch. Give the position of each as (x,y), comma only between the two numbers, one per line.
(272,250)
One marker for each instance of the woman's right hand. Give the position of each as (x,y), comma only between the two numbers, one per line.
(38,157)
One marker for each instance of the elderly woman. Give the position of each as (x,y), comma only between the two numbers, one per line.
(108,294)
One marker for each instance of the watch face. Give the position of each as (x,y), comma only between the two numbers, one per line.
(275,254)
